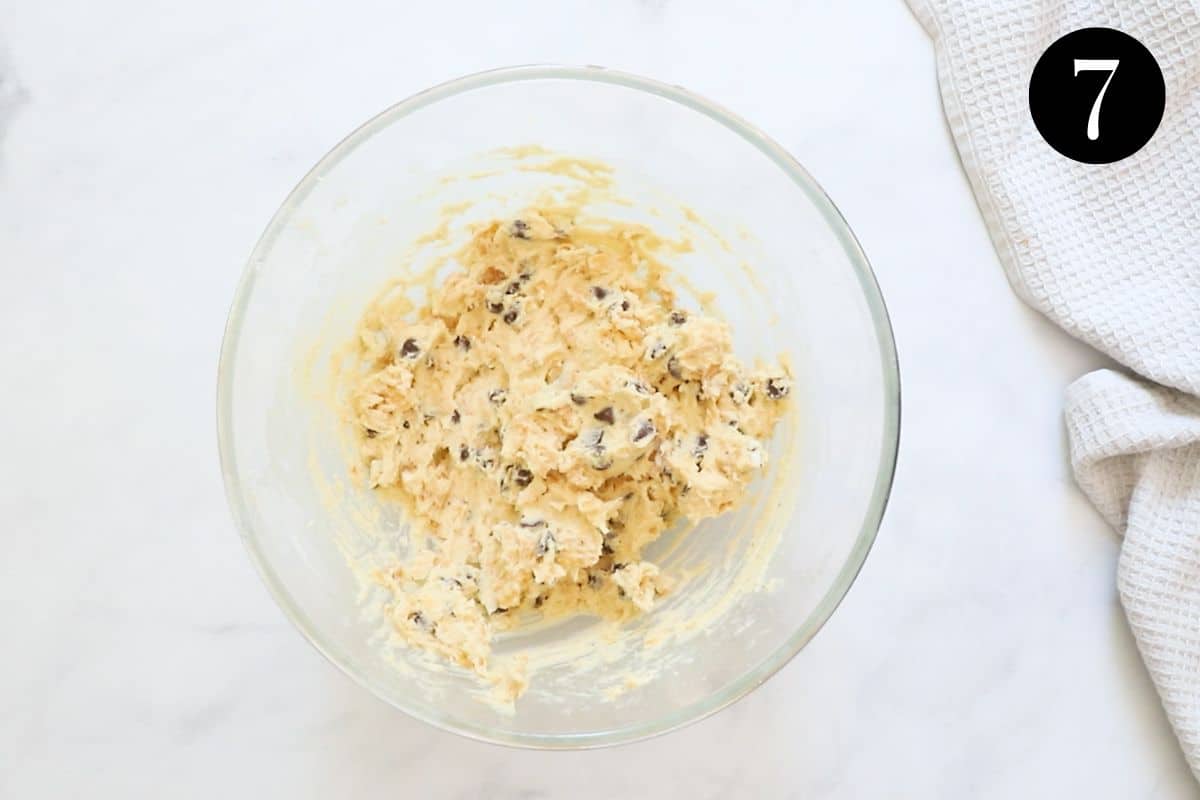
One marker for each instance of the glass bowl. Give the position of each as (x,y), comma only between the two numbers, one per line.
(784,269)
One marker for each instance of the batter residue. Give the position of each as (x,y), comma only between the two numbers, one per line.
(542,418)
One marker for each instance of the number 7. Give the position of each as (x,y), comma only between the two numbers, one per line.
(1108,65)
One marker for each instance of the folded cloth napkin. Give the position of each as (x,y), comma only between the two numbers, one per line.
(1112,254)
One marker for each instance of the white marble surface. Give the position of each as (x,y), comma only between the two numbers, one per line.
(982,652)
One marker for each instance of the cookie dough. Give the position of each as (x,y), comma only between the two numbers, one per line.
(546,414)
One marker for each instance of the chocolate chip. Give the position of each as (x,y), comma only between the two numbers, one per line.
(599,292)
(778,388)
(464,453)
(523,477)
(519,229)
(497,397)
(674,368)
(462,342)
(371,434)
(405,424)
(485,461)
(624,305)
(410,349)
(678,317)
(605,550)
(455,417)
(513,288)
(657,351)
(604,415)
(643,431)
(545,544)
(594,580)
(701,446)
(639,387)
(578,399)
(510,316)
(525,276)
(421,621)
(538,602)
(740,393)
(495,306)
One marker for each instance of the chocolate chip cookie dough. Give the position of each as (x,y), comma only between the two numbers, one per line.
(547,413)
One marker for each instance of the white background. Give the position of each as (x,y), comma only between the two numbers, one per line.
(982,652)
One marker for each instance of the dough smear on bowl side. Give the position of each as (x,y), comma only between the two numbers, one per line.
(546,414)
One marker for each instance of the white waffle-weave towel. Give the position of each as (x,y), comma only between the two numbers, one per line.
(1112,254)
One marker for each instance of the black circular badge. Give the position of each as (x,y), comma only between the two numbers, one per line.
(1097,95)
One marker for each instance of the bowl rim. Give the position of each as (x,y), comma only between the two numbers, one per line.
(889,364)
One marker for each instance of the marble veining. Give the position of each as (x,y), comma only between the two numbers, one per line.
(981,653)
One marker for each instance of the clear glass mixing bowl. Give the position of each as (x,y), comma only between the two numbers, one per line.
(797,543)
